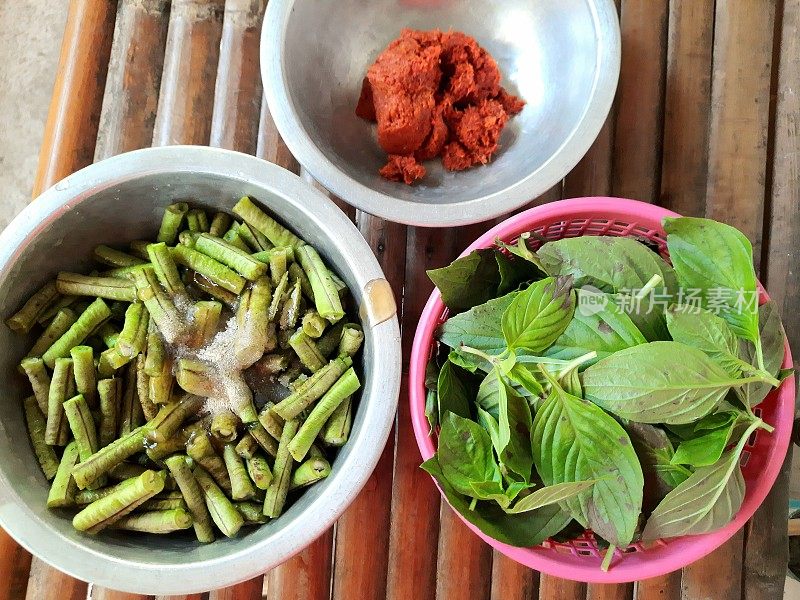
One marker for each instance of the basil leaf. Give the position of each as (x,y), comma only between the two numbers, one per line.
(452,393)
(574,440)
(489,423)
(467,281)
(647,314)
(598,325)
(488,397)
(521,250)
(716,421)
(571,382)
(522,530)
(514,272)
(522,375)
(705,449)
(490,490)
(707,500)
(551,494)
(655,452)
(707,332)
(658,382)
(717,260)
(772,345)
(465,454)
(431,410)
(612,264)
(538,315)
(480,327)
(514,426)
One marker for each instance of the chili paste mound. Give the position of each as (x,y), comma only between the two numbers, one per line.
(435,93)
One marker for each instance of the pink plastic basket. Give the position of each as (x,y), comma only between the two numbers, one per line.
(580,559)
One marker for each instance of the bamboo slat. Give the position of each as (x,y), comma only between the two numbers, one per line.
(600,591)
(306,576)
(47,583)
(15,563)
(134,77)
(666,587)
(270,145)
(552,588)
(101,593)
(716,576)
(511,580)
(464,558)
(248,590)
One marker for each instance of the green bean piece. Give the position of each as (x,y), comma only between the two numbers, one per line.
(251,512)
(184,409)
(149,409)
(205,321)
(328,344)
(307,351)
(136,320)
(89,320)
(165,501)
(165,268)
(162,384)
(124,470)
(200,450)
(256,218)
(124,273)
(109,361)
(283,339)
(36,424)
(277,297)
(156,521)
(197,220)
(271,364)
(176,444)
(25,318)
(290,311)
(352,338)
(62,490)
(326,293)
(247,446)
(261,244)
(241,486)
(171,222)
(341,286)
(61,388)
(154,363)
(271,420)
(83,367)
(313,325)
(159,304)
(60,303)
(230,256)
(223,513)
(234,238)
(110,288)
(313,388)
(337,430)
(104,512)
(294,371)
(302,378)
(251,319)
(279,259)
(344,387)
(262,256)
(82,425)
(188,238)
(211,269)
(264,439)
(84,497)
(193,376)
(138,248)
(109,334)
(131,414)
(115,258)
(247,235)
(311,471)
(61,322)
(164,411)
(110,392)
(213,290)
(102,461)
(40,381)
(193,495)
(224,426)
(219,224)
(259,471)
(296,273)
(281,472)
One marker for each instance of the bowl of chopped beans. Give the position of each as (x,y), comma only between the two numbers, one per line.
(435,113)
(202,364)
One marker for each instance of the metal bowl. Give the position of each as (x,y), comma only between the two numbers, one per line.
(561,56)
(122,199)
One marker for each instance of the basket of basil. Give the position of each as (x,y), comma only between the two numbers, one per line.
(602,389)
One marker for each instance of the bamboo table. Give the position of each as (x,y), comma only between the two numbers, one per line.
(706,122)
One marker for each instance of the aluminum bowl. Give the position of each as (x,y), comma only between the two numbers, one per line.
(122,199)
(561,56)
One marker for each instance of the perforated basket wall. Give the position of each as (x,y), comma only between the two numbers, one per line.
(580,558)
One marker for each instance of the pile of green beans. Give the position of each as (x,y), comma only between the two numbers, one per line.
(118,416)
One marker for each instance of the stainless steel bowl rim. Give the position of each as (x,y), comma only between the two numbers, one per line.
(379,400)
(273,35)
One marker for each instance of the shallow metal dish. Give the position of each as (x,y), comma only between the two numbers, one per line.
(561,56)
(122,199)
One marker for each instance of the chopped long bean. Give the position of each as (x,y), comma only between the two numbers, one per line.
(251,512)
(36,424)
(252,322)
(156,353)
(61,322)
(259,471)
(326,293)
(110,288)
(161,385)
(25,318)
(223,512)
(156,521)
(165,268)
(97,465)
(224,426)
(89,320)
(85,379)
(62,387)
(313,388)
(130,414)
(197,220)
(337,430)
(307,351)
(311,471)
(194,497)
(290,311)
(110,392)
(132,338)
(219,224)
(171,222)
(281,473)
(63,488)
(115,258)
(276,233)
(159,304)
(313,325)
(234,238)
(205,321)
(230,256)
(39,379)
(82,426)
(149,409)
(106,511)
(241,486)
(211,269)
(200,450)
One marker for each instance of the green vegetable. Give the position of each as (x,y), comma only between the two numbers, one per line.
(539,315)
(452,393)
(467,281)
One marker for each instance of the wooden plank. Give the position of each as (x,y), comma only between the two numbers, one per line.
(511,580)
(687,103)
(47,583)
(464,561)
(740,88)
(15,564)
(640,100)
(601,591)
(716,576)
(101,593)
(184,597)
(248,590)
(186,100)
(237,97)
(71,128)
(782,275)
(134,77)
(306,576)
(555,588)
(270,145)
(666,587)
